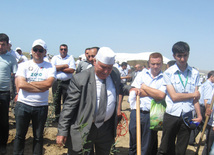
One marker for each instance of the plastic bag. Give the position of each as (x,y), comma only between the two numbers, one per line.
(156,114)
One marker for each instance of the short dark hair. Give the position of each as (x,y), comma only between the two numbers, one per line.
(95,48)
(63,45)
(124,64)
(211,73)
(180,47)
(87,49)
(171,62)
(156,55)
(4,37)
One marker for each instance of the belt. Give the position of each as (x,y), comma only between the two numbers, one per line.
(64,80)
(4,91)
(144,112)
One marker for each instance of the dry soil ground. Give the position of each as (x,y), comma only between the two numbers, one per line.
(51,148)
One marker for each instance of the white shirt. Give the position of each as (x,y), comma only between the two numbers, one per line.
(24,59)
(16,55)
(111,96)
(145,76)
(58,60)
(35,72)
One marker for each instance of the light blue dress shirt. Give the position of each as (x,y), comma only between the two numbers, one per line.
(190,78)
(206,90)
(145,76)
(8,65)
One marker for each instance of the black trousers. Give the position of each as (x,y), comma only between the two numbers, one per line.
(209,140)
(174,127)
(99,140)
(4,120)
(59,90)
(194,133)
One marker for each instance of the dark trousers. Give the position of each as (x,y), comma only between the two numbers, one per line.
(145,133)
(209,140)
(194,133)
(99,140)
(174,127)
(23,114)
(4,120)
(59,89)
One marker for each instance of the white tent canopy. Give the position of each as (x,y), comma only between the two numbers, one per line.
(124,57)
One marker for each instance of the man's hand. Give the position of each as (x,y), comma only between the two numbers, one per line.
(198,119)
(137,91)
(143,86)
(208,112)
(196,95)
(119,115)
(60,140)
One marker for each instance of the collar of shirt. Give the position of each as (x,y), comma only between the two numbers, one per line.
(150,74)
(59,56)
(176,69)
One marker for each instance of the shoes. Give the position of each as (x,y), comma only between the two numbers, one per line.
(3,150)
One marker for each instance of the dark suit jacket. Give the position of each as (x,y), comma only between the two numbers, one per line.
(79,106)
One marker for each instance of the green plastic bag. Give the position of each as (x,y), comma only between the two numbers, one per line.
(156,114)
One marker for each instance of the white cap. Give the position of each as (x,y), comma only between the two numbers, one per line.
(18,48)
(39,42)
(106,56)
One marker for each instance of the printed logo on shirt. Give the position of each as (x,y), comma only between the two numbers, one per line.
(30,68)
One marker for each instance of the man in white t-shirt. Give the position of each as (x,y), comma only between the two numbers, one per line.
(65,66)
(23,57)
(33,80)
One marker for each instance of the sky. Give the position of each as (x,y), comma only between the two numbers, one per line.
(126,26)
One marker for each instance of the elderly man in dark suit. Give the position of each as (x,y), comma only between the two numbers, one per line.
(87,106)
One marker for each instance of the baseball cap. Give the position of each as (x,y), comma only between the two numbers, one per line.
(39,42)
(18,48)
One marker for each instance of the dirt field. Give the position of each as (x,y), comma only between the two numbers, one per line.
(51,148)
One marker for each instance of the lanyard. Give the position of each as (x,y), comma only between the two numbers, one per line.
(182,80)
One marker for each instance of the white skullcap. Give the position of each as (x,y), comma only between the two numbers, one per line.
(39,42)
(106,56)
(18,48)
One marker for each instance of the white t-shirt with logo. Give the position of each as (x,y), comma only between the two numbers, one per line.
(35,72)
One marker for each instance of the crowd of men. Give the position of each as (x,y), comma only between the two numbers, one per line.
(91,93)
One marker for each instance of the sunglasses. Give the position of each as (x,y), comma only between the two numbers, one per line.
(63,49)
(36,49)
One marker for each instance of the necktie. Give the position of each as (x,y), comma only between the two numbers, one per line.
(102,106)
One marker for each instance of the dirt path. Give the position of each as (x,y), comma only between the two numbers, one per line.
(50,147)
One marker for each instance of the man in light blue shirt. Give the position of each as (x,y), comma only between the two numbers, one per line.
(205,90)
(150,83)
(65,66)
(8,65)
(182,97)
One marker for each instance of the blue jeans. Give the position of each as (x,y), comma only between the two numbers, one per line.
(145,133)
(23,114)
(4,120)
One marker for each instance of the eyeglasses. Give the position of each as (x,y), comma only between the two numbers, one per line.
(63,49)
(36,49)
